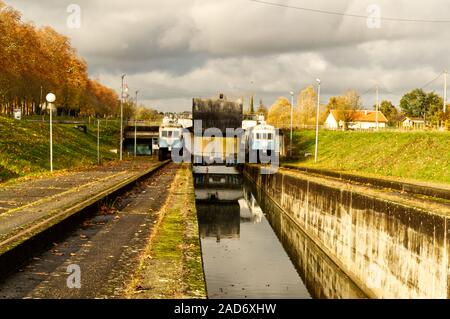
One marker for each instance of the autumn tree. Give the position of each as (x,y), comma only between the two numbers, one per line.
(147,114)
(390,111)
(305,112)
(35,61)
(418,103)
(414,103)
(280,113)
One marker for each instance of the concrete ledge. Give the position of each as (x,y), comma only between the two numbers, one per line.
(388,245)
(407,187)
(28,237)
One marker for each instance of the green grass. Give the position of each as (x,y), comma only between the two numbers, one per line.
(170,237)
(423,156)
(24,146)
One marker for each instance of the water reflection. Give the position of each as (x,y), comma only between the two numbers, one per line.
(242,256)
(391,250)
(249,208)
(319,273)
(223,221)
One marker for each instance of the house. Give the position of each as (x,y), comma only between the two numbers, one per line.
(413,122)
(357,120)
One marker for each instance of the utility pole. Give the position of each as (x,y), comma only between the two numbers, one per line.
(51,137)
(135,127)
(135,137)
(98,141)
(40,102)
(51,98)
(121,117)
(445,90)
(137,98)
(317,121)
(292,121)
(377,106)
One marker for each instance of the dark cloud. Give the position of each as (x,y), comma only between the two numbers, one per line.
(176,49)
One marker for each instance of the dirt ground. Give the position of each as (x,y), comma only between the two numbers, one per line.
(107,248)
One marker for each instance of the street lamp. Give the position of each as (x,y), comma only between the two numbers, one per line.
(121,117)
(51,98)
(317,120)
(292,116)
(135,126)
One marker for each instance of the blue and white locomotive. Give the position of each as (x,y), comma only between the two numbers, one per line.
(170,138)
(262,139)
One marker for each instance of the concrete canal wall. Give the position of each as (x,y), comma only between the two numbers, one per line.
(388,249)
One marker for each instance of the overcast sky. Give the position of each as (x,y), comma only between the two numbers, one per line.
(174,50)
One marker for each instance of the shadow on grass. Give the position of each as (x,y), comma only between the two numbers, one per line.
(302,145)
(6,174)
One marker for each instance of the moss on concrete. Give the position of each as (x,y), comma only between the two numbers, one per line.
(171,266)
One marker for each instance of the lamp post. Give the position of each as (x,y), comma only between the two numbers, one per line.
(51,98)
(121,117)
(317,121)
(377,107)
(98,142)
(292,121)
(135,127)
(445,90)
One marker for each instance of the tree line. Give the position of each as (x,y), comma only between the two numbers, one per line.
(35,61)
(417,104)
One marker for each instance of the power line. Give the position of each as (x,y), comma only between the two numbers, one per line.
(385,90)
(281,5)
(369,90)
(424,86)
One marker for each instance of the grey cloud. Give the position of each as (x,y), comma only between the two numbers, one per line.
(176,49)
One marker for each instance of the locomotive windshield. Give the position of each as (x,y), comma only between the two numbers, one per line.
(264,136)
(170,134)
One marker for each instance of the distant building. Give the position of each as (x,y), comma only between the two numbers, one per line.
(413,122)
(357,120)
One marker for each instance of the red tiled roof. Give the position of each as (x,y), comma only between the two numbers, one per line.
(362,116)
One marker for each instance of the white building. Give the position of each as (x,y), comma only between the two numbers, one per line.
(413,122)
(357,120)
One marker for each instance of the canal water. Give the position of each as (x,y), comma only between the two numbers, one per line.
(242,255)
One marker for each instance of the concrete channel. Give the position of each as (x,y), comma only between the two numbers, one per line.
(138,241)
(165,233)
(349,240)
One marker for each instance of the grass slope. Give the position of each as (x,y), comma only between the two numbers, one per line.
(24,146)
(421,156)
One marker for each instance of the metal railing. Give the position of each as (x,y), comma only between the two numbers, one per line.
(142,123)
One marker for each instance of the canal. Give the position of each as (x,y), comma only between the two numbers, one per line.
(249,250)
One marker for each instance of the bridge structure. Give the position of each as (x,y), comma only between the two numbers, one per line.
(144,134)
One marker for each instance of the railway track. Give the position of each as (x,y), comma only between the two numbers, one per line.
(100,243)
